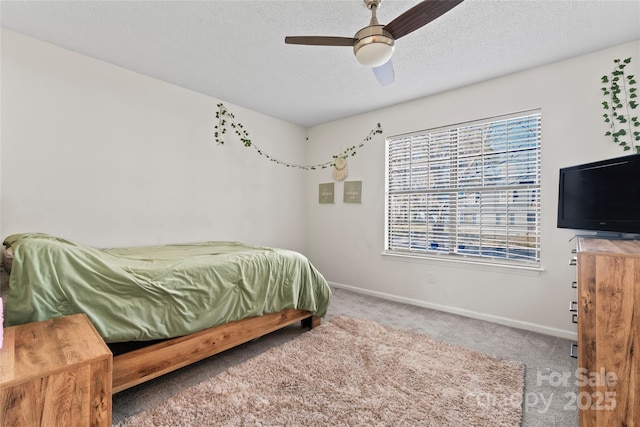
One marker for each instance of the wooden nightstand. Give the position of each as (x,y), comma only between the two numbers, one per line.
(55,373)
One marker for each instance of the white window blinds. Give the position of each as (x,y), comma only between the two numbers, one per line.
(469,190)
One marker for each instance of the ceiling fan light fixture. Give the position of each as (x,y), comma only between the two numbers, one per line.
(374,46)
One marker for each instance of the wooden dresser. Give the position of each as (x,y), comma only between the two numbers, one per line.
(608,332)
(55,373)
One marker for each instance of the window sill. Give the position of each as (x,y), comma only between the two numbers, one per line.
(492,265)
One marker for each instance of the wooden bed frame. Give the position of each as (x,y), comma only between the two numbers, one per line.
(144,364)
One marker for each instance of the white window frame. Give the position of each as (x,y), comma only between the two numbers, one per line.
(466,192)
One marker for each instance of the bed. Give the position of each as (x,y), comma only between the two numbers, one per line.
(162,307)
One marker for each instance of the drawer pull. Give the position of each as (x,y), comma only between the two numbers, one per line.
(573,352)
(574,285)
(574,318)
(573,306)
(574,261)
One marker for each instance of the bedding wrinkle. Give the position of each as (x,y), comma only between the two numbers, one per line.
(155,292)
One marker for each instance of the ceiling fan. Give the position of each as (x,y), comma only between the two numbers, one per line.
(373,45)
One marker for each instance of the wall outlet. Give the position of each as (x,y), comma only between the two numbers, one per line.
(431,280)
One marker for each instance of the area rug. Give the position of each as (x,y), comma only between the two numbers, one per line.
(353,372)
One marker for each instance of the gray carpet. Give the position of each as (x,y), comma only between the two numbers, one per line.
(548,397)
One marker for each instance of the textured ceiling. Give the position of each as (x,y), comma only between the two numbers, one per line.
(235,50)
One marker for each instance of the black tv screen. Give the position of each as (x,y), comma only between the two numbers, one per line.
(601,196)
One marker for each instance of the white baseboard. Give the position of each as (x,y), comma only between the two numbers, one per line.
(570,335)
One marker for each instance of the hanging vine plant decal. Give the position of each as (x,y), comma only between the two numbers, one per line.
(621,100)
(226,119)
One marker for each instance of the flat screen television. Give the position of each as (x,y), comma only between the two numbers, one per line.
(601,196)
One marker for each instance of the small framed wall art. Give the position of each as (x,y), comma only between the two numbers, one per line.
(325,192)
(352,192)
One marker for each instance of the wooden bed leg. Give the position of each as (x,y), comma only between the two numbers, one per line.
(311,322)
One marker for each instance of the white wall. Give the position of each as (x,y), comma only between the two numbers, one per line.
(346,240)
(108,157)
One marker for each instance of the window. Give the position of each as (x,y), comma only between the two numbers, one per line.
(470,190)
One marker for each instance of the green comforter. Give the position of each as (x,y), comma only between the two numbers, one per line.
(145,293)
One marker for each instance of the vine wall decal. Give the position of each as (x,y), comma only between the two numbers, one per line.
(226,119)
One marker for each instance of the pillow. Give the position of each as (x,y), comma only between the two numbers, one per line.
(7,259)
(9,242)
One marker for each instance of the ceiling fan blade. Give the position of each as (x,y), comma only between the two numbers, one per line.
(418,16)
(385,73)
(321,40)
